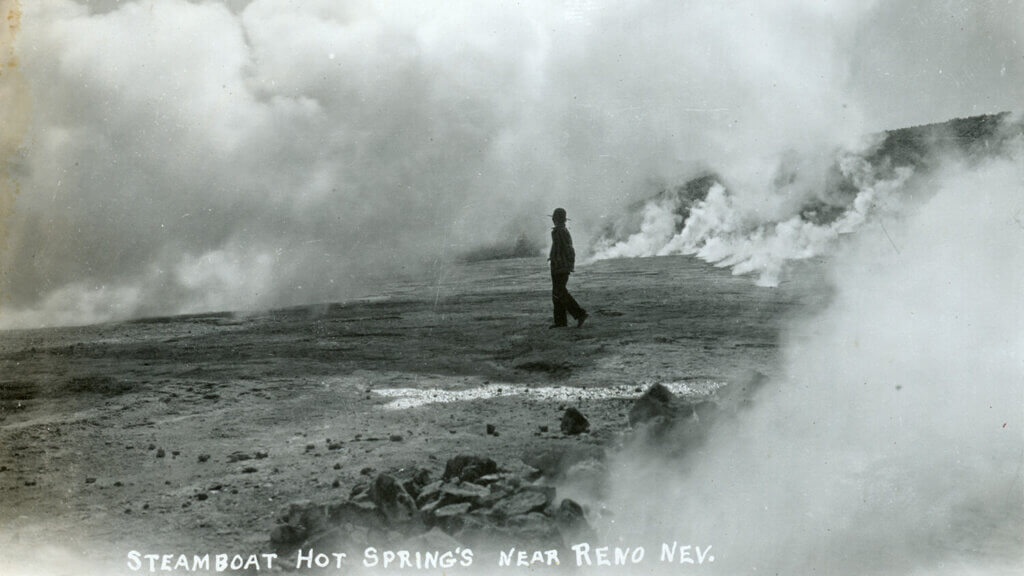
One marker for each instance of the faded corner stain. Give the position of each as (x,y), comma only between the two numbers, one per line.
(15,112)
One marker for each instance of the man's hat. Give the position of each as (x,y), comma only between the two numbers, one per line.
(558,215)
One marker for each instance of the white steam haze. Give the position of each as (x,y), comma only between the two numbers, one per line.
(193,156)
(892,441)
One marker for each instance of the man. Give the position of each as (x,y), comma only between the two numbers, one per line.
(563,261)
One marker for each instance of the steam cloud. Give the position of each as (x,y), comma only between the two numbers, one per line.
(198,156)
(891,443)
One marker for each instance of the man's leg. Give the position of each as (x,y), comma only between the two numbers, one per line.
(570,304)
(557,297)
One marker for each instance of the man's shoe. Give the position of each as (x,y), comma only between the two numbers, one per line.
(557,326)
(583,318)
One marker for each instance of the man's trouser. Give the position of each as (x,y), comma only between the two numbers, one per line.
(562,300)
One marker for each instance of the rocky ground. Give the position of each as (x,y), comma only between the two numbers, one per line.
(246,433)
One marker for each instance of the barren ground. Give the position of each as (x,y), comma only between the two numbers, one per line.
(85,412)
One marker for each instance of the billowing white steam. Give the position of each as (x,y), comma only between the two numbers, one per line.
(187,156)
(893,441)
(750,238)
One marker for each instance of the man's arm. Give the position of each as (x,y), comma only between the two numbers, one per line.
(570,252)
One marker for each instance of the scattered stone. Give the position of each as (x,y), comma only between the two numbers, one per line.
(261,455)
(491,429)
(238,457)
(336,484)
(30,482)
(160,453)
(310,447)
(203,458)
(118,484)
(395,438)
(175,453)
(151,447)
(337,465)
(90,480)
(334,446)
(202,496)
(249,470)
(574,422)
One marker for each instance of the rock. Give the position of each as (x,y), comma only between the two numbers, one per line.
(90,480)
(261,455)
(543,428)
(520,469)
(299,521)
(358,512)
(463,492)
(452,510)
(489,479)
(494,495)
(395,504)
(160,453)
(238,457)
(469,468)
(451,517)
(491,429)
(574,422)
(429,492)
(522,502)
(249,470)
(203,458)
(570,514)
(395,438)
(413,480)
(655,402)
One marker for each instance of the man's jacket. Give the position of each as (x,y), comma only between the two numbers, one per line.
(562,256)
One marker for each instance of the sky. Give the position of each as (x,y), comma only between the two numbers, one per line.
(165,156)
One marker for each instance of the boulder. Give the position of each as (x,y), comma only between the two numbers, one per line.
(300,520)
(469,468)
(574,422)
(655,402)
(394,503)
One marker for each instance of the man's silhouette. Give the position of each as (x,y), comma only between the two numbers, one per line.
(563,261)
